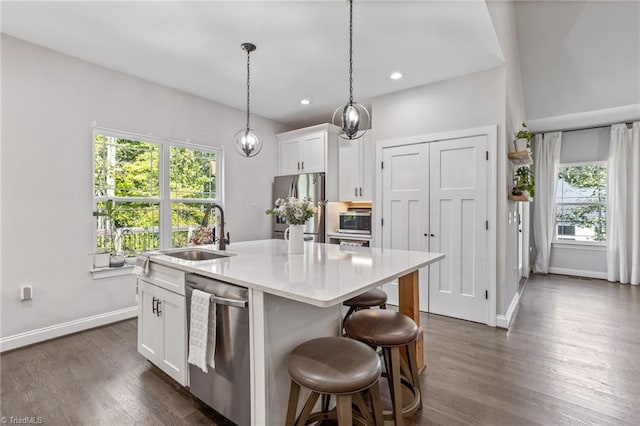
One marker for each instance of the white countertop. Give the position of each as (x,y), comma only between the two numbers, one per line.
(325,275)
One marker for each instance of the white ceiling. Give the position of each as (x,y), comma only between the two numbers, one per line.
(302,46)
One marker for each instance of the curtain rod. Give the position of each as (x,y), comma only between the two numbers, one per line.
(629,125)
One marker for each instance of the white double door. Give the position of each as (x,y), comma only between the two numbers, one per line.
(434,198)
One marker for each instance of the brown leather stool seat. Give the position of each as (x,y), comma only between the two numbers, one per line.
(394,332)
(369,299)
(337,366)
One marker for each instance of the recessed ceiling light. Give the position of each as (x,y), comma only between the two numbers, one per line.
(305,101)
(396,76)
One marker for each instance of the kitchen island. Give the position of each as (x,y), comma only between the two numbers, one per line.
(294,298)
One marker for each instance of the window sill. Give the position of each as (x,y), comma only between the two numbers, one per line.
(109,272)
(580,245)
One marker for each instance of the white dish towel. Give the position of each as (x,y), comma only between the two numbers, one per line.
(202,331)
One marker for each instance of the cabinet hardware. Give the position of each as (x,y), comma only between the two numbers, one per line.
(355,191)
(486,294)
(432,235)
(303,165)
(153,305)
(158,311)
(298,165)
(361,191)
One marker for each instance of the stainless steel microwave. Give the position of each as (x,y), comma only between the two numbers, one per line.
(355,222)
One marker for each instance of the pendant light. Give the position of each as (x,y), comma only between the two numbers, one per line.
(352,117)
(247,141)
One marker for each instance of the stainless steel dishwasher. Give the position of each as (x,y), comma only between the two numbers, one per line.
(225,388)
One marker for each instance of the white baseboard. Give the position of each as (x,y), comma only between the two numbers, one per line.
(46,333)
(504,321)
(578,273)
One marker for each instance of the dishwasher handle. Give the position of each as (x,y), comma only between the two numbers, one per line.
(236,303)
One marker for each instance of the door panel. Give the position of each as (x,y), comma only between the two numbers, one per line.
(289,157)
(149,325)
(173,317)
(405,204)
(313,153)
(458,193)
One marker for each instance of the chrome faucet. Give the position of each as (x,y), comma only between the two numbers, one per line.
(222,240)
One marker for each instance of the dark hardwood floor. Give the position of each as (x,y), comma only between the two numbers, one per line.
(572,356)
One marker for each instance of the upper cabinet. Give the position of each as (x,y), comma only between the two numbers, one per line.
(311,150)
(303,154)
(355,167)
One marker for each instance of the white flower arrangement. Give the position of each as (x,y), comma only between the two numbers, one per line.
(293,211)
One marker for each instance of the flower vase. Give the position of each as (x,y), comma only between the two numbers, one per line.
(295,235)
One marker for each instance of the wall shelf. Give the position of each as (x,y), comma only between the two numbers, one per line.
(521,158)
(524,198)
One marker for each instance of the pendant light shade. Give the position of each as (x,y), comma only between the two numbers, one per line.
(247,142)
(352,117)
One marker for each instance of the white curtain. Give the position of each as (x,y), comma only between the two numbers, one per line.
(623,205)
(546,161)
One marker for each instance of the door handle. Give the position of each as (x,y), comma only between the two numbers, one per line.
(158,311)
(153,305)
(298,165)
(361,191)
(355,192)
(303,165)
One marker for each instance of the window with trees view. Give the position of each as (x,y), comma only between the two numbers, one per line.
(581,202)
(160,191)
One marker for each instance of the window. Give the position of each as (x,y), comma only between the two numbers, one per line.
(160,191)
(581,202)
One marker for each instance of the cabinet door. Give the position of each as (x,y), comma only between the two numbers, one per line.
(313,153)
(348,170)
(290,162)
(149,325)
(173,317)
(367,166)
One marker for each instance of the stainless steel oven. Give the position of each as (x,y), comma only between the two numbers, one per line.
(355,222)
(225,388)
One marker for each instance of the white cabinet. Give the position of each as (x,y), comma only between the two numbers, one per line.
(303,154)
(162,329)
(355,169)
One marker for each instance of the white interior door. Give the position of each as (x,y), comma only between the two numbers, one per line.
(458,214)
(405,196)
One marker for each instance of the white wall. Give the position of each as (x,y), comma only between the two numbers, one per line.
(49,101)
(473,100)
(578,56)
(504,21)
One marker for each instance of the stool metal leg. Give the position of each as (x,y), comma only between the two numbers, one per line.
(294,394)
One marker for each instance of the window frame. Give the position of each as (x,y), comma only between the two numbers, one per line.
(164,191)
(555,239)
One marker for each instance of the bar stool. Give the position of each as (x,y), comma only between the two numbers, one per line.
(340,367)
(370,299)
(394,332)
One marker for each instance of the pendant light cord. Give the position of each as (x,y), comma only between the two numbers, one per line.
(350,52)
(248,86)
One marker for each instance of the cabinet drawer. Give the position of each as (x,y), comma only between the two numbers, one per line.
(167,278)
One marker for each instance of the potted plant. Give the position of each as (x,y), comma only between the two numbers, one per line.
(106,255)
(523,138)
(524,181)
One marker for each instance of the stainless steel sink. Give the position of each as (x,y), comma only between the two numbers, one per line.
(194,254)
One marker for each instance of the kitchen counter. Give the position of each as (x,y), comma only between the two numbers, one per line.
(325,275)
(295,298)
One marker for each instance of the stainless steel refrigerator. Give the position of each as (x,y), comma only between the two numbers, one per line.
(309,186)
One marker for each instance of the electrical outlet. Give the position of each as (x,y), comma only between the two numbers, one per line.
(26,293)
